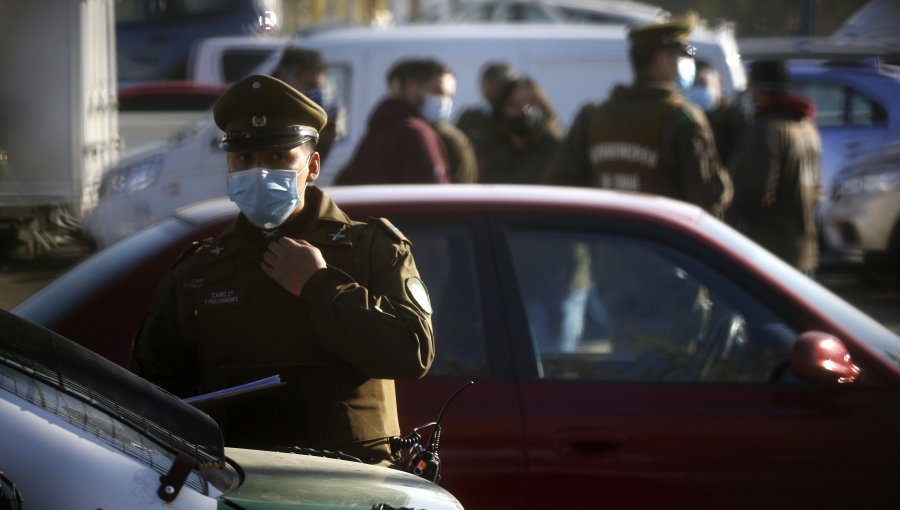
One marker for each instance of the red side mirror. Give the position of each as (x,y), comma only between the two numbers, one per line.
(820,357)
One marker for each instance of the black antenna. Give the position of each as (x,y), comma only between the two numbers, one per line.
(447,404)
(425,462)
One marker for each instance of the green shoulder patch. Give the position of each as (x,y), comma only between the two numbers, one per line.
(418,294)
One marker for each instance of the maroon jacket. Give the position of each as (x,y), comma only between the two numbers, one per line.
(399,147)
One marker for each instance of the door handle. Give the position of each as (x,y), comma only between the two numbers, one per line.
(589,442)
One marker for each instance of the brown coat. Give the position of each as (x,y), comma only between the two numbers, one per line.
(777,177)
(218,321)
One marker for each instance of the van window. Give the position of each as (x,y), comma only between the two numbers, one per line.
(241,62)
(337,97)
(864,111)
(829,100)
(839,105)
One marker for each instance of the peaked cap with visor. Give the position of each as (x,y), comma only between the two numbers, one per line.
(262,113)
(674,32)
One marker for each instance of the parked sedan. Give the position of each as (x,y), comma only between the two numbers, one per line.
(628,351)
(857,109)
(82,432)
(862,220)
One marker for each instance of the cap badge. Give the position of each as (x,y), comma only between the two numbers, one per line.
(257,85)
(259,121)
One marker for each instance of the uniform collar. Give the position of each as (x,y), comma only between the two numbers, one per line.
(331,223)
(321,223)
(643,87)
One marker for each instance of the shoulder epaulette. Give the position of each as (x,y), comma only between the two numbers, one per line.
(394,231)
(196,247)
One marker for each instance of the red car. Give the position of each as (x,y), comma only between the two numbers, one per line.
(170,96)
(628,351)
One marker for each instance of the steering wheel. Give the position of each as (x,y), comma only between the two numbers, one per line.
(727,332)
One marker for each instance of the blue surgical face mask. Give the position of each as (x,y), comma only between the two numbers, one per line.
(687,71)
(267,197)
(702,96)
(316,95)
(437,108)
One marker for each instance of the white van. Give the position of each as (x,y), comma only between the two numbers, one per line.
(572,63)
(226,59)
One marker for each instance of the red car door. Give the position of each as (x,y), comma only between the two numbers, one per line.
(656,382)
(482,446)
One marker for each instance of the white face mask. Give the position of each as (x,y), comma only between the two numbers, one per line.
(437,108)
(687,71)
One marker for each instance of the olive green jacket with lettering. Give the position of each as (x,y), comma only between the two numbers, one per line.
(646,137)
(219,321)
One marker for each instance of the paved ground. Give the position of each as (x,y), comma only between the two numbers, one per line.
(18,280)
(882,302)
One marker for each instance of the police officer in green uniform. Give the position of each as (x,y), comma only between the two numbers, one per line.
(647,137)
(293,287)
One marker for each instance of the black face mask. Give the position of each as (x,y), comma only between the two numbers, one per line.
(528,124)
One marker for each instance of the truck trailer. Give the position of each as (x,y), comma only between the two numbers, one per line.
(59,129)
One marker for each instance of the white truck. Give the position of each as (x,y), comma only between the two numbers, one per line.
(59,131)
(573,64)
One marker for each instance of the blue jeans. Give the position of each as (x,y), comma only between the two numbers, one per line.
(557,324)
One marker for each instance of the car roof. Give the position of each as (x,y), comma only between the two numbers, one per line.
(461,31)
(484,198)
(820,48)
(170,95)
(881,82)
(867,70)
(246,40)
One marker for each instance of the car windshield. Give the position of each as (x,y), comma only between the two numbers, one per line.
(107,401)
(861,326)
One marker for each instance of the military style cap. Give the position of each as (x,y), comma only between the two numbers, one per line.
(264,113)
(674,32)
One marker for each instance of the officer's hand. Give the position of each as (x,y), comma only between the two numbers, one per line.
(291,263)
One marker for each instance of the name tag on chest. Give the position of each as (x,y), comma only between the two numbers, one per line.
(223,298)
